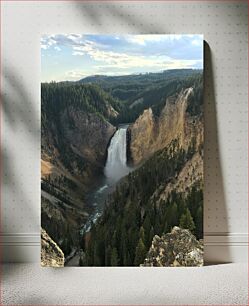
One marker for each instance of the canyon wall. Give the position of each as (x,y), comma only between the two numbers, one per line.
(73,154)
(149,134)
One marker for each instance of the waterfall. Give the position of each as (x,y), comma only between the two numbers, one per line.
(115,169)
(116,166)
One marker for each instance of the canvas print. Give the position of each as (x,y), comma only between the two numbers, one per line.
(122,150)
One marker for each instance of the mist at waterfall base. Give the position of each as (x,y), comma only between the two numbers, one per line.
(115,168)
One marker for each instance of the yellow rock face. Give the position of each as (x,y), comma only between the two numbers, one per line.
(51,254)
(149,134)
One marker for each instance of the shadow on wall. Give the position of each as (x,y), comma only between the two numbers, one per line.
(124,17)
(214,194)
(21,118)
(19,114)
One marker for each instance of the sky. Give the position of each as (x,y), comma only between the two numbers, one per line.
(75,56)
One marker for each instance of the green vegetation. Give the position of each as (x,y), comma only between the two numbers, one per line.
(186,221)
(97,93)
(134,214)
(140,252)
(57,97)
(151,88)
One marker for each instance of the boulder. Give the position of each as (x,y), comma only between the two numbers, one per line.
(51,254)
(175,249)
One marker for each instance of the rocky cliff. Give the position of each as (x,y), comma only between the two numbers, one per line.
(51,254)
(178,248)
(190,175)
(149,134)
(75,137)
(77,146)
(68,173)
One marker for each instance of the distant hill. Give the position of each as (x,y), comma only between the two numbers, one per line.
(141,91)
(144,78)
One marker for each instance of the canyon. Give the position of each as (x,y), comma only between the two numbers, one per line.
(98,171)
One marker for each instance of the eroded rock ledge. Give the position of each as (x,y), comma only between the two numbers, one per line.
(175,249)
(51,254)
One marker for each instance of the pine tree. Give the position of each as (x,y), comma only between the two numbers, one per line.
(96,258)
(199,223)
(174,214)
(186,221)
(141,234)
(114,258)
(147,227)
(166,228)
(83,259)
(108,254)
(151,236)
(140,253)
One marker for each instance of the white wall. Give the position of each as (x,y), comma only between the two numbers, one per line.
(224,25)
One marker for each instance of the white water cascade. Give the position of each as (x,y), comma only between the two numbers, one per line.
(115,169)
(116,166)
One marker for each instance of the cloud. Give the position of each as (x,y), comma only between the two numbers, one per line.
(197,42)
(148,38)
(75,74)
(155,38)
(47,41)
(111,59)
(151,65)
(122,54)
(78,53)
(59,40)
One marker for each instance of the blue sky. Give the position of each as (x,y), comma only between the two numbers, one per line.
(75,56)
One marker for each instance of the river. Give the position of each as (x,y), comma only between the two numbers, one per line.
(115,168)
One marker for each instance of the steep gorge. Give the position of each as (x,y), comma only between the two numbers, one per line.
(165,190)
(74,144)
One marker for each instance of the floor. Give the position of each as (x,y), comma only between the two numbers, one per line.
(27,284)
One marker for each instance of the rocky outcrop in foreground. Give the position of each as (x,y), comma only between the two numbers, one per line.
(178,248)
(51,254)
